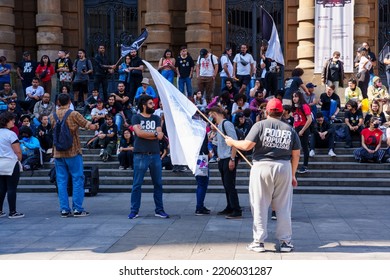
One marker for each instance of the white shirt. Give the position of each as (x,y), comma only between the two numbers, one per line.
(225,60)
(39,91)
(363,60)
(7,137)
(243,69)
(206,66)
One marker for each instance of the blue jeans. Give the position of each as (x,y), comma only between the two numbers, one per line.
(70,166)
(118,122)
(330,113)
(141,164)
(201,189)
(168,74)
(187,83)
(223,80)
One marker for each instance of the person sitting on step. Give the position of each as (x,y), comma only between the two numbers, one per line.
(353,122)
(322,136)
(108,136)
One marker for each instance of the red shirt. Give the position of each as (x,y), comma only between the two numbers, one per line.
(372,138)
(300,115)
(50,72)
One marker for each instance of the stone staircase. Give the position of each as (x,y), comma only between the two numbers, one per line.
(340,175)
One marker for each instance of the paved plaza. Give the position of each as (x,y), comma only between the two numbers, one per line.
(325,227)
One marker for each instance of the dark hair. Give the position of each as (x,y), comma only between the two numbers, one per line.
(352,80)
(5,117)
(218,110)
(48,60)
(301,100)
(36,79)
(183,48)
(287,108)
(167,51)
(259,91)
(143,100)
(120,82)
(82,50)
(67,88)
(23,117)
(112,95)
(247,112)
(63,99)
(229,80)
(226,50)
(332,87)
(108,116)
(297,72)
(352,103)
(239,96)
(41,117)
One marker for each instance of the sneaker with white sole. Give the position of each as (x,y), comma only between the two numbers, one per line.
(65,214)
(101,153)
(331,153)
(161,214)
(312,153)
(2,214)
(256,247)
(132,215)
(286,247)
(78,214)
(302,170)
(15,215)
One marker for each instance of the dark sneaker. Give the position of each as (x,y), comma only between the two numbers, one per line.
(77,214)
(302,170)
(348,146)
(234,215)
(2,214)
(286,247)
(256,247)
(162,214)
(225,212)
(132,215)
(15,215)
(273,215)
(65,214)
(202,212)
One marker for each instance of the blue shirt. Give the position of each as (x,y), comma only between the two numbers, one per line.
(5,78)
(149,91)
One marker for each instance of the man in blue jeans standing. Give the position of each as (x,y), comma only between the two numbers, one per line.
(70,162)
(148,132)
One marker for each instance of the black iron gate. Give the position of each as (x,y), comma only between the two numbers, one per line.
(244,22)
(110,23)
(384,34)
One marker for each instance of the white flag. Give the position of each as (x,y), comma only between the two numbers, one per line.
(186,134)
(270,33)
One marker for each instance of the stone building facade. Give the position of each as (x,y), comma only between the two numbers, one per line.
(45,26)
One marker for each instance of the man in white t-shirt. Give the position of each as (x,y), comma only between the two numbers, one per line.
(206,71)
(243,66)
(34,94)
(227,66)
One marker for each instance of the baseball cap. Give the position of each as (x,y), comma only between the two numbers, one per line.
(274,104)
(11,101)
(375,79)
(311,85)
(26,53)
(203,53)
(361,49)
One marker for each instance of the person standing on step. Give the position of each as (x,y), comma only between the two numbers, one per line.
(70,162)
(302,121)
(227,163)
(102,69)
(146,155)
(272,176)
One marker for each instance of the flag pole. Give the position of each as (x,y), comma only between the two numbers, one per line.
(223,135)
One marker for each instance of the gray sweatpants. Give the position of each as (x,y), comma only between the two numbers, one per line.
(271,182)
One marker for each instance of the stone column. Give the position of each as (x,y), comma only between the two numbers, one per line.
(7,34)
(305,36)
(157,21)
(49,23)
(198,21)
(362,25)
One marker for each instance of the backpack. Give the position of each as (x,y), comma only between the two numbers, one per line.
(220,68)
(62,138)
(87,64)
(239,132)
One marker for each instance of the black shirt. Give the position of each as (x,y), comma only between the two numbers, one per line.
(150,124)
(184,65)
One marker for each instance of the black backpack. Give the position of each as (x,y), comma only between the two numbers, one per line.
(239,132)
(62,138)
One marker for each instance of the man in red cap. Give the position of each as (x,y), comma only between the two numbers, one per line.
(272,178)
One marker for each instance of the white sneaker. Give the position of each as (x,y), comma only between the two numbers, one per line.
(312,153)
(331,153)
